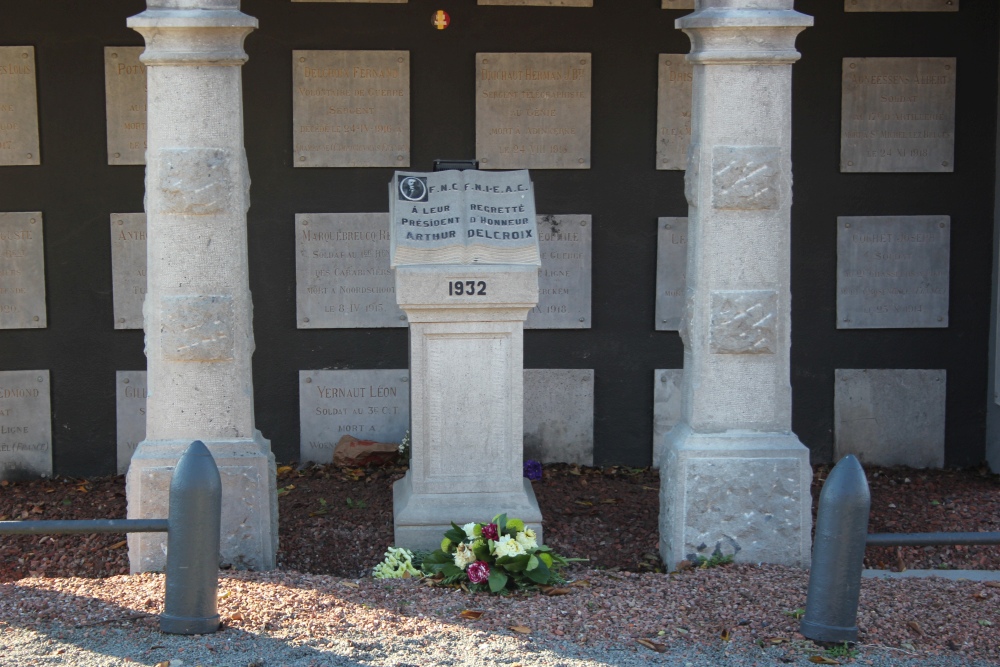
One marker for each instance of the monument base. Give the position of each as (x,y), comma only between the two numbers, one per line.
(249,539)
(421,519)
(738,493)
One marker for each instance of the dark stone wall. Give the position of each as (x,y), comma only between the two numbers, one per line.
(77,190)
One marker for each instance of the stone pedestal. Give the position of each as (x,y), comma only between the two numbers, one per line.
(734,478)
(466,374)
(197,312)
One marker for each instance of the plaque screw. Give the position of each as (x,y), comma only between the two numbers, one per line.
(847,225)
(941,225)
(302,60)
(940,319)
(666,226)
(35,318)
(948,66)
(302,158)
(118,154)
(120,222)
(32,221)
(309,380)
(121,320)
(29,156)
(125,380)
(944,164)
(305,222)
(402,317)
(486,61)
(853,66)
(484,160)
(583,223)
(583,62)
(664,321)
(399,158)
(305,319)
(850,164)
(581,160)
(39,379)
(24,55)
(114,55)
(583,319)
(404,379)
(399,60)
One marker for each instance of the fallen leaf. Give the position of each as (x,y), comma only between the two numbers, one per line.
(118,545)
(223,596)
(574,470)
(986,624)
(683,631)
(777,640)
(684,565)
(284,470)
(236,616)
(650,488)
(317,513)
(557,591)
(611,501)
(349,584)
(993,584)
(585,503)
(580,582)
(823,660)
(164,663)
(981,595)
(652,646)
(913,625)
(725,635)
(471,614)
(523,629)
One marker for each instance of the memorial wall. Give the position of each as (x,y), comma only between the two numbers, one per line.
(893,102)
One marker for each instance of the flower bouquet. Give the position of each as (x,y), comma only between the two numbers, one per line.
(494,556)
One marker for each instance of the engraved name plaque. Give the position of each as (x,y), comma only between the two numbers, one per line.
(673,112)
(342,274)
(898,115)
(351,108)
(25,425)
(678,4)
(130,401)
(128,268)
(125,103)
(901,5)
(564,279)
(559,415)
(365,404)
(671,272)
(540,3)
(533,110)
(892,271)
(22,271)
(18,107)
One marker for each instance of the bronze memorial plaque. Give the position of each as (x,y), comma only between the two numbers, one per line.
(351,108)
(22,271)
(673,112)
(18,107)
(898,115)
(125,104)
(533,110)
(565,277)
(128,268)
(900,5)
(342,274)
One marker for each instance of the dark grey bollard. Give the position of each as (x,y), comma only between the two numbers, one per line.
(838,555)
(192,581)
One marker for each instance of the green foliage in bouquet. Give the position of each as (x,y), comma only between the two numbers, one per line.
(495,556)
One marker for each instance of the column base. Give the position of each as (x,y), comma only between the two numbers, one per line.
(739,493)
(249,539)
(420,520)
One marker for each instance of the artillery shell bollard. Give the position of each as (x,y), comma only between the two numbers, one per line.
(192,577)
(838,555)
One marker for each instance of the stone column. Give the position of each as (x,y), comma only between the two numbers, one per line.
(199,337)
(735,479)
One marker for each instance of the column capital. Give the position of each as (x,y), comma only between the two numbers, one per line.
(728,34)
(179,32)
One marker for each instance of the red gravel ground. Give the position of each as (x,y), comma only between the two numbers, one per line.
(607,515)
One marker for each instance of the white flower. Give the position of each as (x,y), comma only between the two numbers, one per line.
(463,556)
(527,539)
(470,530)
(506,546)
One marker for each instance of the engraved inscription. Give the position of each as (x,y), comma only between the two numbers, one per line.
(25,425)
(673,112)
(130,402)
(892,271)
(533,110)
(22,271)
(197,328)
(671,272)
(744,322)
(365,404)
(898,115)
(125,103)
(351,108)
(564,280)
(18,107)
(194,181)
(128,268)
(342,274)
(746,177)
(540,3)
(901,5)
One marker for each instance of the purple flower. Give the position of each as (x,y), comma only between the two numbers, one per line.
(533,470)
(490,532)
(479,572)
